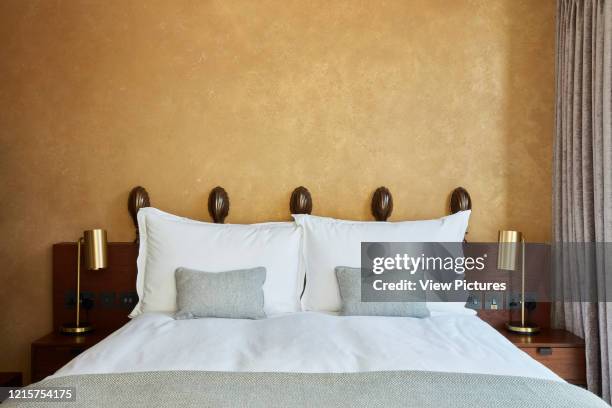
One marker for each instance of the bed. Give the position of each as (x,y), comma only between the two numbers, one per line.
(295,358)
(312,359)
(307,342)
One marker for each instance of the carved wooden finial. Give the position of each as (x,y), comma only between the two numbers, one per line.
(382,204)
(301,201)
(460,200)
(218,204)
(138,198)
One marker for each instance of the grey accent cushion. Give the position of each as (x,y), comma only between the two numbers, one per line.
(349,281)
(233,294)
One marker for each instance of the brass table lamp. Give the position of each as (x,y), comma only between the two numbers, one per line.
(94,242)
(506,259)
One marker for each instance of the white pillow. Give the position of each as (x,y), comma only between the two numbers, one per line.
(168,242)
(329,243)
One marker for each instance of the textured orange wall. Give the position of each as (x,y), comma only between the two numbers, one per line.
(260,97)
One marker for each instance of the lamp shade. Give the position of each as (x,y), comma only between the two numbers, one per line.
(95,249)
(508,249)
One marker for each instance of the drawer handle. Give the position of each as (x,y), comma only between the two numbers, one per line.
(545,351)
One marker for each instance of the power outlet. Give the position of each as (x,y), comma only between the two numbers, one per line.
(70,299)
(127,300)
(87,300)
(494,301)
(513,301)
(474,301)
(108,299)
(531,300)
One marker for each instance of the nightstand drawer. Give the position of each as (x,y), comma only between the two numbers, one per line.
(567,362)
(47,360)
(55,357)
(52,352)
(11,379)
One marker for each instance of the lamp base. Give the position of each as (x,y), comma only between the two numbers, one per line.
(82,328)
(518,327)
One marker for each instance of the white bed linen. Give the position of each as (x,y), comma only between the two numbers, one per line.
(308,342)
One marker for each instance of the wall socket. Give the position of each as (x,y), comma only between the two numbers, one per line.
(108,299)
(494,301)
(531,301)
(69,299)
(513,301)
(127,300)
(86,298)
(474,301)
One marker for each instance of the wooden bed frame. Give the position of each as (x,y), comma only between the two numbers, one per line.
(112,290)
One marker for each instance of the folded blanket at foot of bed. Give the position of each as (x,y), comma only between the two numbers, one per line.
(422,389)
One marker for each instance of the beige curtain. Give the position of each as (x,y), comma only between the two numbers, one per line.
(582,189)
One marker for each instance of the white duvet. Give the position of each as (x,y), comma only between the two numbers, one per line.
(308,342)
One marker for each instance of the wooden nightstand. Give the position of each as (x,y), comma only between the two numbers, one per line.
(559,350)
(11,379)
(52,352)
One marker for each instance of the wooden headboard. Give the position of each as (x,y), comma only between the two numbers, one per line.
(112,291)
(300,202)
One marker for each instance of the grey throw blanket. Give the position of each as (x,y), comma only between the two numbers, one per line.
(420,389)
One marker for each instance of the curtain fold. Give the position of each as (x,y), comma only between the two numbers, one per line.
(582,175)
